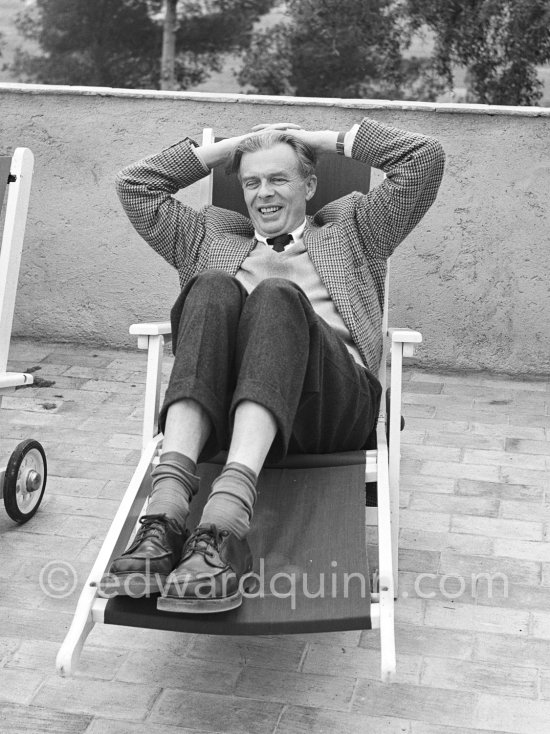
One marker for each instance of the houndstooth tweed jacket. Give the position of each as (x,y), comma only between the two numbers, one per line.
(348,240)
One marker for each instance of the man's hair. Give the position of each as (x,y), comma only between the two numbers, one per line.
(307,158)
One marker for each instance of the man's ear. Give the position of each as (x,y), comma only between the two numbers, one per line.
(311,186)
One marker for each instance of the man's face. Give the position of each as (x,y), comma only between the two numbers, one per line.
(274,190)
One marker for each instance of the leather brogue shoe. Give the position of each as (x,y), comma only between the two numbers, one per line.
(209,574)
(144,567)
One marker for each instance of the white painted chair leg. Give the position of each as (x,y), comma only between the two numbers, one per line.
(385,565)
(403,342)
(155,353)
(395,451)
(81,626)
(115,543)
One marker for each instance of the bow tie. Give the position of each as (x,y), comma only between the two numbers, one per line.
(278,243)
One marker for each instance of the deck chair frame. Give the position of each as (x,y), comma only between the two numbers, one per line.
(382,467)
(18,182)
(23,480)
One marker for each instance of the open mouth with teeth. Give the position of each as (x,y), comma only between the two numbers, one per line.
(266,210)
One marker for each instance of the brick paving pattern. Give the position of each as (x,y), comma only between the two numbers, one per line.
(472,619)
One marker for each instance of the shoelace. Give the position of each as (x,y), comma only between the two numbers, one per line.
(202,540)
(151,525)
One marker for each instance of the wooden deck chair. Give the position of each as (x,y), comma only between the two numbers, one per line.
(23,480)
(324,542)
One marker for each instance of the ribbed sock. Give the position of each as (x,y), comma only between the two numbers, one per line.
(232,500)
(174,485)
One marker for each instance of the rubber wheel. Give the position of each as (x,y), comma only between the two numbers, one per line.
(25,480)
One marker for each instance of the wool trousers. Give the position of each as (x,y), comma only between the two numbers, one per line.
(269,347)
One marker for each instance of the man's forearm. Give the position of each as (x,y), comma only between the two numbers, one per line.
(326,141)
(217,154)
(395,150)
(322,141)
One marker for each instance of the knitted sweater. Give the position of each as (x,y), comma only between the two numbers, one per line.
(295,264)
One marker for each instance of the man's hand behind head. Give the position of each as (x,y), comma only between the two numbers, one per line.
(321,141)
(276,126)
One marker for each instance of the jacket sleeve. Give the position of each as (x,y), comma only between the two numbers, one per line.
(413,165)
(146,190)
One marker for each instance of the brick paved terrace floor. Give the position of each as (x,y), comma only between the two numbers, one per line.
(475,500)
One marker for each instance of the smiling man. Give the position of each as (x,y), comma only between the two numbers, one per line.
(276,333)
(277,182)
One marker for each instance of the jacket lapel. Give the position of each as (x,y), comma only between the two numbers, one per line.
(230,252)
(333,263)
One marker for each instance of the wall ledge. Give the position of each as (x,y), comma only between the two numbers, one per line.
(361,104)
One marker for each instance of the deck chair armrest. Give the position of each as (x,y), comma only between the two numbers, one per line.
(407,337)
(150,328)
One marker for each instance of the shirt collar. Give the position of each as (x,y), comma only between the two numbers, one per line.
(297,234)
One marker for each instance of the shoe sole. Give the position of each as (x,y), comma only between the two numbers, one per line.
(133,585)
(182,605)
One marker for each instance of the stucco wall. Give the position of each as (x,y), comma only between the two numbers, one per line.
(473,276)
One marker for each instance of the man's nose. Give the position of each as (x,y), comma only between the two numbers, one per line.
(265,189)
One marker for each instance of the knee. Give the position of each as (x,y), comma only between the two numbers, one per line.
(276,288)
(213,278)
(216,282)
